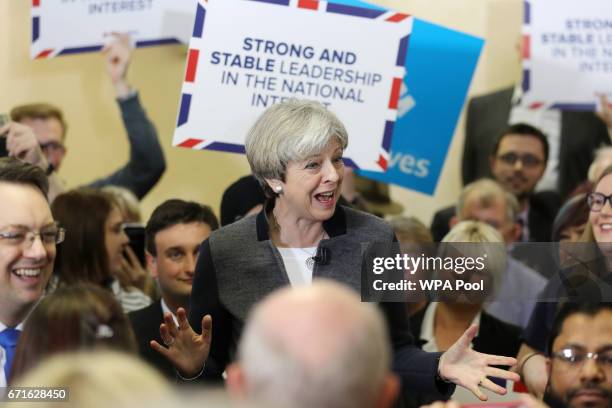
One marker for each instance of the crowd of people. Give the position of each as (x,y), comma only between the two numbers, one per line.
(265,311)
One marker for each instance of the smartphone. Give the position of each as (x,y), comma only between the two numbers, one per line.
(136,234)
(4,119)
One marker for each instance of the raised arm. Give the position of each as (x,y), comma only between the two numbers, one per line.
(146,163)
(22,144)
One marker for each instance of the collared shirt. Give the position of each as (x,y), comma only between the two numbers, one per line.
(166,309)
(3,379)
(549,122)
(427,328)
(130,299)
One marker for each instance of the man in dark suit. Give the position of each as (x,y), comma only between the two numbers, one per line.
(28,236)
(173,237)
(577,135)
(517,161)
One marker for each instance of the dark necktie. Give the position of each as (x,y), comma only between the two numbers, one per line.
(8,341)
(523,238)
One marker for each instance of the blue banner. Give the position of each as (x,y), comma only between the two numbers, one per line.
(440,64)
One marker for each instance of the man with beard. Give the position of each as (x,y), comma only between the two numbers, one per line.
(580,357)
(517,162)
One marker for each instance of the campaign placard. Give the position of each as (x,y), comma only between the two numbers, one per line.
(65,27)
(567,53)
(246,55)
(440,67)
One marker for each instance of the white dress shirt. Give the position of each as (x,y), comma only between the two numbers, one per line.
(166,309)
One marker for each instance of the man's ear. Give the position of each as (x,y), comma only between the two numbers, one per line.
(235,382)
(151,263)
(389,391)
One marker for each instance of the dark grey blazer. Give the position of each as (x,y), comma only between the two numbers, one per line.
(487,117)
(239,265)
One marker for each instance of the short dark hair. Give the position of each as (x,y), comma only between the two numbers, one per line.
(16,171)
(526,130)
(566,309)
(172,212)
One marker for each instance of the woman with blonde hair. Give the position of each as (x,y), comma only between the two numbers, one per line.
(589,278)
(98,379)
(443,321)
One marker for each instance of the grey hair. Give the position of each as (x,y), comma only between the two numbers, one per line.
(490,245)
(352,357)
(290,131)
(485,191)
(411,229)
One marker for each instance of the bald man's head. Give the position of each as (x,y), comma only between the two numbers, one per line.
(316,347)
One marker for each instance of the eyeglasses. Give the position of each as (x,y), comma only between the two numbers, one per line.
(575,358)
(528,160)
(597,201)
(19,235)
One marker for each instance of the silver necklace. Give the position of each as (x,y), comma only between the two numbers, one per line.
(310,261)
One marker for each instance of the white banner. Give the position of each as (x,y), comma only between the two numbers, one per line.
(567,53)
(247,55)
(63,27)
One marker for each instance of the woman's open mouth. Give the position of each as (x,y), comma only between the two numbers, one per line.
(326,198)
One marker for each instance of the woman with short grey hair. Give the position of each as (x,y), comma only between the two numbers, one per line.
(290,132)
(295,150)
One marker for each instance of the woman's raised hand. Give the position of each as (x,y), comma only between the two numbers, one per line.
(470,369)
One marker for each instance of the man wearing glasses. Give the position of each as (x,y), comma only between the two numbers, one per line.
(580,357)
(517,162)
(28,236)
(146,163)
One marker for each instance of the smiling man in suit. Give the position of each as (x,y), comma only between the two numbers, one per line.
(28,238)
(173,237)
